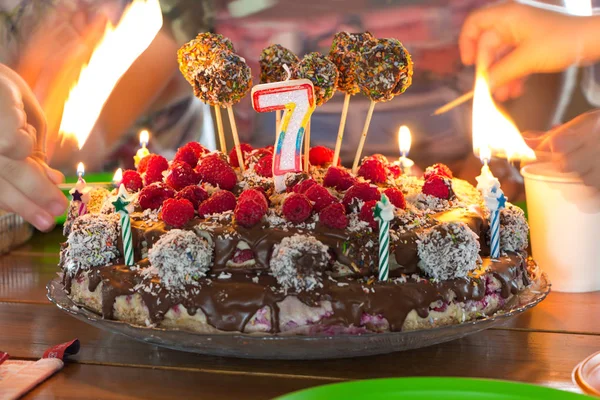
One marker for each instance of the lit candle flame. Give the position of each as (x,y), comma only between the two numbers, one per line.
(144,138)
(80,170)
(494,132)
(120,46)
(117,177)
(404,140)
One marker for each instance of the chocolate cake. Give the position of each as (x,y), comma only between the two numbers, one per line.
(219,251)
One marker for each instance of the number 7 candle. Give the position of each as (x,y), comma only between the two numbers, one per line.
(297,98)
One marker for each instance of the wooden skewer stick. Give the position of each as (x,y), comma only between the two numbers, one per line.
(222,142)
(363,137)
(454,103)
(340,136)
(236,139)
(307,147)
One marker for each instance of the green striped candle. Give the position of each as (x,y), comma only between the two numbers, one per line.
(121,207)
(384,213)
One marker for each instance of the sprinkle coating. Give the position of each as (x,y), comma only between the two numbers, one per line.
(322,72)
(271,62)
(346,49)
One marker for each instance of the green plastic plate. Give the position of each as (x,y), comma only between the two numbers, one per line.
(431,388)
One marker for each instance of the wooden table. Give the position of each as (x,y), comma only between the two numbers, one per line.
(541,346)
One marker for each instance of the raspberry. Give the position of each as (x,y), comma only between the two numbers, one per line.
(193,193)
(303,186)
(320,197)
(296,208)
(379,157)
(241,256)
(394,170)
(373,170)
(152,196)
(438,169)
(181,175)
(437,186)
(186,154)
(233,159)
(361,191)
(264,166)
(177,212)
(366,214)
(334,216)
(218,203)
(257,154)
(320,156)
(250,210)
(132,180)
(198,148)
(214,170)
(153,168)
(396,197)
(339,178)
(254,195)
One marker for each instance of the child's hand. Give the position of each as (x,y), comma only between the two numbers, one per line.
(28,185)
(513,41)
(574,146)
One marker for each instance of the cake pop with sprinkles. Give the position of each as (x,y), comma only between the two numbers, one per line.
(201,51)
(346,49)
(223,82)
(272,59)
(322,72)
(384,69)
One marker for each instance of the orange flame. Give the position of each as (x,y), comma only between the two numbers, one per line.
(120,46)
(493,131)
(404,140)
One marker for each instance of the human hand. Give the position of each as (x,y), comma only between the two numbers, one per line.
(28,184)
(573,147)
(513,40)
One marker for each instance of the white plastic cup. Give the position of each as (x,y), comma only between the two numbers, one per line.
(564,220)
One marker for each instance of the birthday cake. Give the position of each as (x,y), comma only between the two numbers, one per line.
(208,243)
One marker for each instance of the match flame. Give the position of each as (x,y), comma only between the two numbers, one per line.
(120,46)
(80,170)
(404,140)
(493,131)
(144,138)
(117,177)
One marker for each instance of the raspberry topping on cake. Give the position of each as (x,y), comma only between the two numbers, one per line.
(338,178)
(303,186)
(214,170)
(296,208)
(177,212)
(187,154)
(320,197)
(334,216)
(372,169)
(152,196)
(251,207)
(233,158)
(396,197)
(132,180)
(180,175)
(218,203)
(437,169)
(320,156)
(367,214)
(361,191)
(151,167)
(193,193)
(437,186)
(264,166)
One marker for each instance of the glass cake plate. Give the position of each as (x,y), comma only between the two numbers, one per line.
(299,347)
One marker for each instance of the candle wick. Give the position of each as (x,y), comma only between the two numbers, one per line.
(288,72)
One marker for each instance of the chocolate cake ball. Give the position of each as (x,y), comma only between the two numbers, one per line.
(514,230)
(346,49)
(181,257)
(93,241)
(322,72)
(271,62)
(200,52)
(298,262)
(384,69)
(223,82)
(449,250)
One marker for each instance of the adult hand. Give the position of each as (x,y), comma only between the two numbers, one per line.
(28,183)
(574,147)
(513,40)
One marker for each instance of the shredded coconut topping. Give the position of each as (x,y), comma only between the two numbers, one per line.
(449,250)
(286,265)
(514,230)
(181,257)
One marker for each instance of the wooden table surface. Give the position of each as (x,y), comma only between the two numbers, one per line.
(541,346)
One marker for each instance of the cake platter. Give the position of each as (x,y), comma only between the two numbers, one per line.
(299,347)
